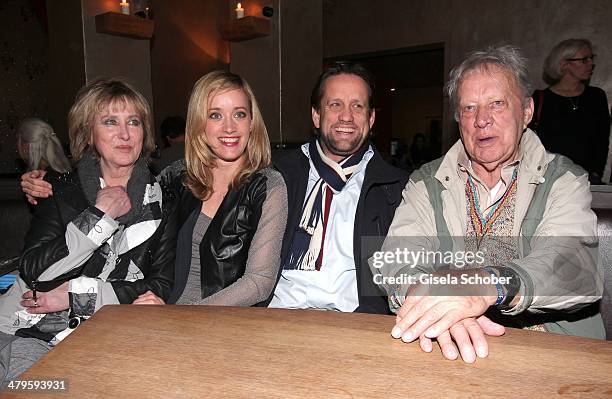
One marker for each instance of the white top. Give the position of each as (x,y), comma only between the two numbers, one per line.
(334,287)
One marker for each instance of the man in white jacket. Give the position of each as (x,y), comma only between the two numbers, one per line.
(497,225)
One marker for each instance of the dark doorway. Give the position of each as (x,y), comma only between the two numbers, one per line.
(408,101)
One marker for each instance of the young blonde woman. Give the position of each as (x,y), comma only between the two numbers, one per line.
(232,204)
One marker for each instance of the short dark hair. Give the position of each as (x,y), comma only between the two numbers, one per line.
(172,127)
(339,68)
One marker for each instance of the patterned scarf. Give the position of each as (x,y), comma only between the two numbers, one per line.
(307,247)
(481,222)
(90,174)
(136,226)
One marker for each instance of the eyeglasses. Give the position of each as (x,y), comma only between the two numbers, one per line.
(584,60)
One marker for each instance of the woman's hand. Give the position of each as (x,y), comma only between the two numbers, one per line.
(33,185)
(148,298)
(113,201)
(55,300)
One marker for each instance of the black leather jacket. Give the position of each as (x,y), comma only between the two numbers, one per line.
(46,244)
(225,246)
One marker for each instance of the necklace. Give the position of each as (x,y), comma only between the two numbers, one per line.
(574,105)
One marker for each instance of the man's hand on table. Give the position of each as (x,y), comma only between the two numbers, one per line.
(450,313)
(468,336)
(431,310)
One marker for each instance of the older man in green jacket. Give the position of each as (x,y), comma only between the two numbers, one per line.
(498,225)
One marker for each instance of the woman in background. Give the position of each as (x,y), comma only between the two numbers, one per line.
(571,117)
(39,147)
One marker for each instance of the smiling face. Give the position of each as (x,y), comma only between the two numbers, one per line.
(344,118)
(577,69)
(228,125)
(492,117)
(117,136)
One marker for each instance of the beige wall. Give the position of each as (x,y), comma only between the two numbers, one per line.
(283,67)
(301,64)
(257,61)
(110,55)
(186,46)
(468,25)
(78,54)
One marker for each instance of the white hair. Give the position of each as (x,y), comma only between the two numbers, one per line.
(508,58)
(40,147)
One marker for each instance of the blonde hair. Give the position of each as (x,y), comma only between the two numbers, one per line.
(95,97)
(43,147)
(198,155)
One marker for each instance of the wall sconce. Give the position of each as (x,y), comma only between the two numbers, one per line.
(267,11)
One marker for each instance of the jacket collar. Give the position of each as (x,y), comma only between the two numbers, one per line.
(380,171)
(295,166)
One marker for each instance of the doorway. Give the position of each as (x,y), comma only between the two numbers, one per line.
(408,99)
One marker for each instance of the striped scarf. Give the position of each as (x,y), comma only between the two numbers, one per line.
(307,246)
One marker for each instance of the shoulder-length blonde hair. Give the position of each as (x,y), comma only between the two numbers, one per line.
(97,96)
(198,155)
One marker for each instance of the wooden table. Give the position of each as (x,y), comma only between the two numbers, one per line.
(198,351)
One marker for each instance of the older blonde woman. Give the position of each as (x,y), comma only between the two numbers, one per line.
(106,236)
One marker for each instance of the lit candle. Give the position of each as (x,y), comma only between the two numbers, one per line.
(239,11)
(125,7)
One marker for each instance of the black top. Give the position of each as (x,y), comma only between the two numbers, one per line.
(577,127)
(47,241)
(224,249)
